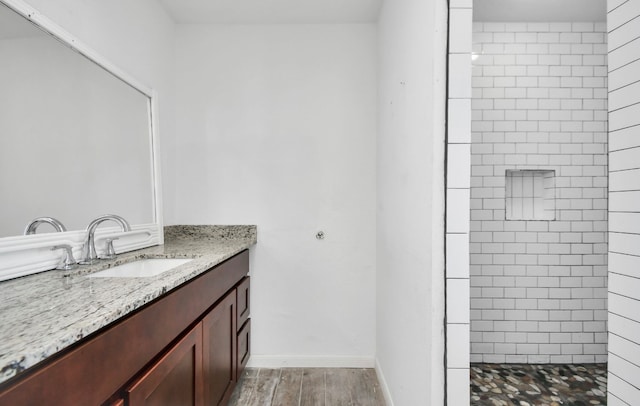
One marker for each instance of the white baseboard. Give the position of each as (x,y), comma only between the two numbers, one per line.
(294,361)
(383,385)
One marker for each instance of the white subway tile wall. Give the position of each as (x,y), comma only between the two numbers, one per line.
(624,202)
(539,288)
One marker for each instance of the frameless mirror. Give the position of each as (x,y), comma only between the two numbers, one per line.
(75,140)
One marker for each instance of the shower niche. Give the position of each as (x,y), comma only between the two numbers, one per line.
(530,195)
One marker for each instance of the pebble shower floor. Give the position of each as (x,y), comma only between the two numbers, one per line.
(538,385)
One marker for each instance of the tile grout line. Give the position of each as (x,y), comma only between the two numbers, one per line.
(275,390)
(254,386)
(300,392)
(324,379)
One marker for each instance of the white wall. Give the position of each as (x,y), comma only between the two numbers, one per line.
(624,202)
(410,217)
(276,127)
(538,288)
(137,37)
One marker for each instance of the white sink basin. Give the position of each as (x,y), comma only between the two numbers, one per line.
(143,268)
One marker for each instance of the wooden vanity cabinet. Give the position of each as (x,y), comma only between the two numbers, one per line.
(180,349)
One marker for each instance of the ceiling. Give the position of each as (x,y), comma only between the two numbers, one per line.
(359,11)
(539,10)
(272,11)
(12,25)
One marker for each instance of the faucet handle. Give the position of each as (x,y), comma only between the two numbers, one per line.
(110,252)
(68,262)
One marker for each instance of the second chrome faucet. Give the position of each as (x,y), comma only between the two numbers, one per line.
(89,254)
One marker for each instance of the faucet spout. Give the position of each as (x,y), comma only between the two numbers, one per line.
(89,250)
(33,225)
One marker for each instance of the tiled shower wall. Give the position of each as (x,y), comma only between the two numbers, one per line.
(624,202)
(539,287)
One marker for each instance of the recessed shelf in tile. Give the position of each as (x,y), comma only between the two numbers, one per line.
(530,195)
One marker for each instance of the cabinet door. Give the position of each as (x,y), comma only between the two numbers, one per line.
(244,347)
(176,379)
(219,351)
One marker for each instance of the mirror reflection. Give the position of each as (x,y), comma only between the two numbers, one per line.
(74,139)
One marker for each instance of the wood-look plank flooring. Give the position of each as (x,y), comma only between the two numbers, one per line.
(308,387)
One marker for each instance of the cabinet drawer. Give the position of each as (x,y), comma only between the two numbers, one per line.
(242,300)
(244,343)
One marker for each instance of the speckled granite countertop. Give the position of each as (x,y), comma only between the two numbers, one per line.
(44,313)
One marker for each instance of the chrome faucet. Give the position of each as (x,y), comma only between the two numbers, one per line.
(89,254)
(68,261)
(33,225)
